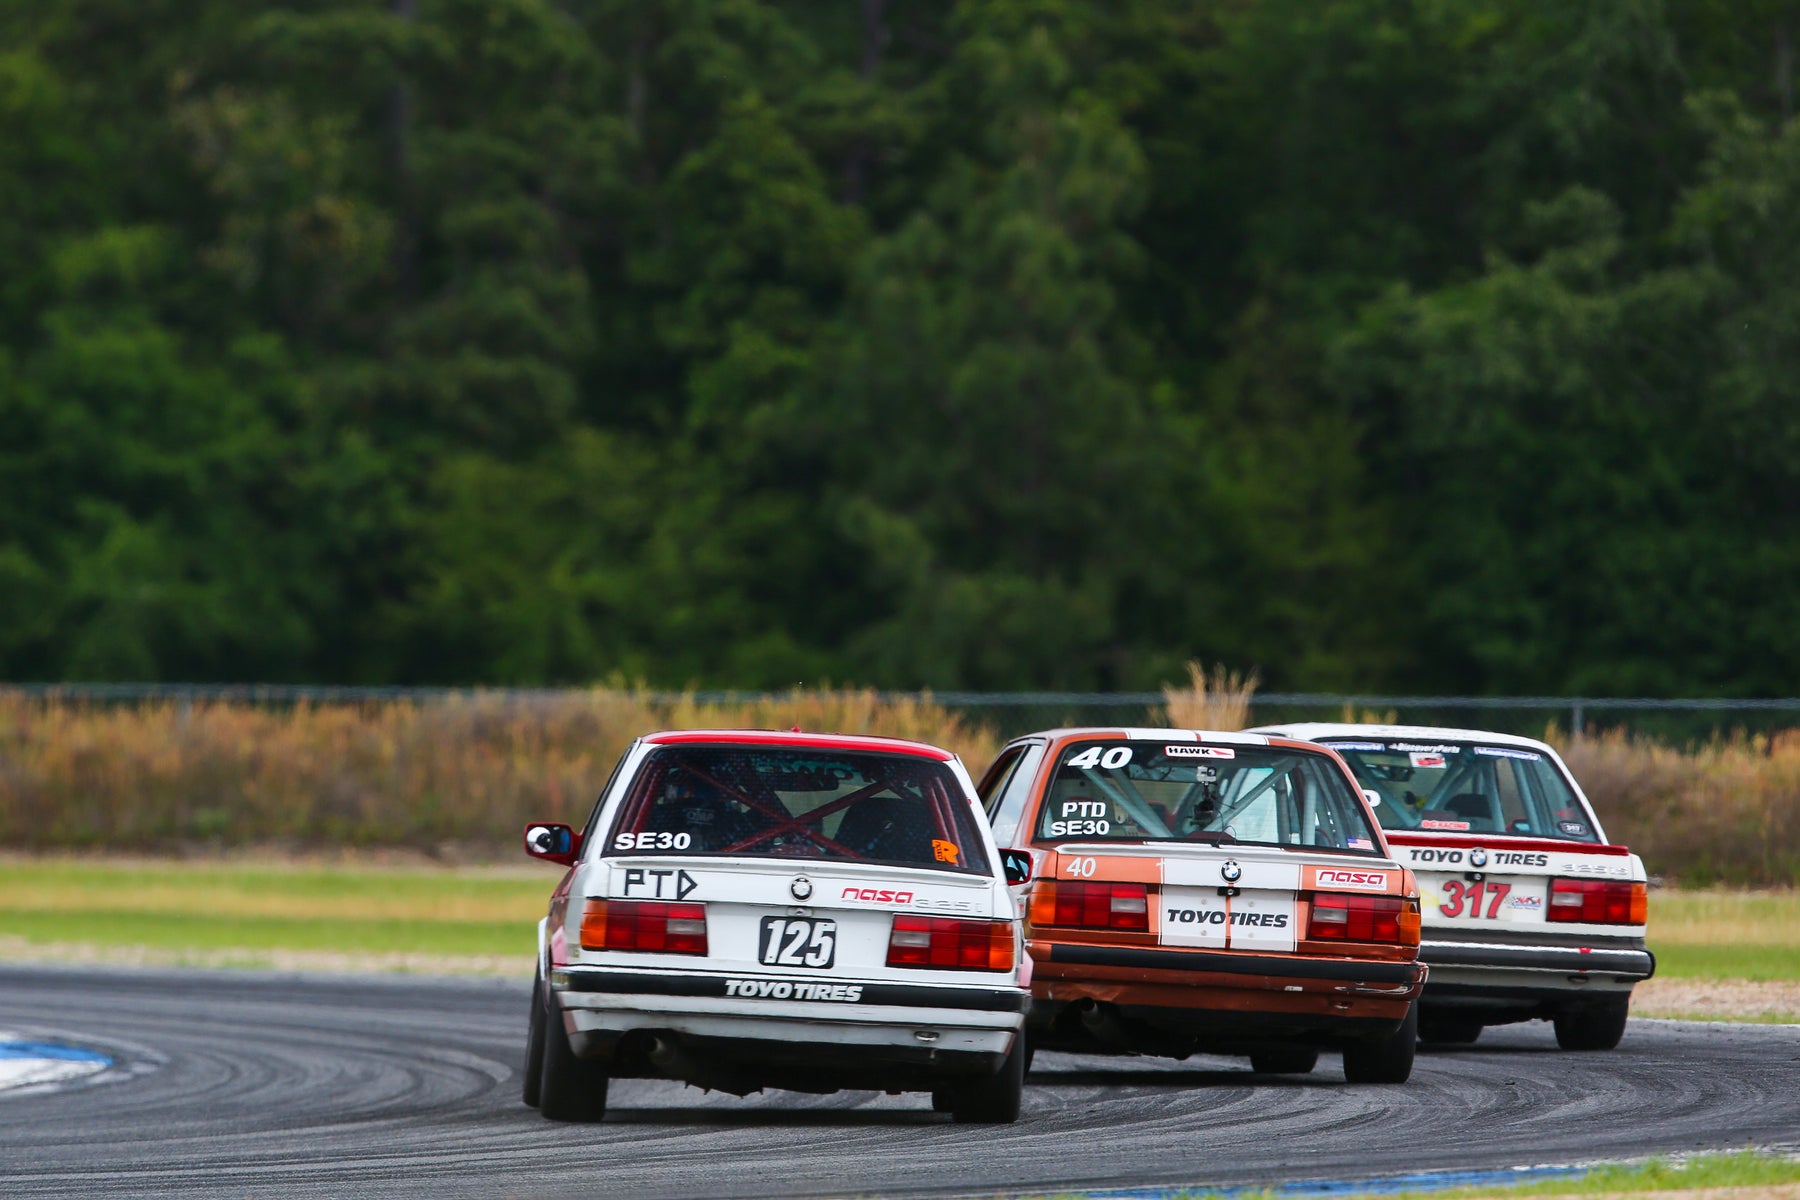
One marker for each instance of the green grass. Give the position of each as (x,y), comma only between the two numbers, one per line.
(1740,1169)
(1680,961)
(219,906)
(1721,934)
(1747,1168)
(368,908)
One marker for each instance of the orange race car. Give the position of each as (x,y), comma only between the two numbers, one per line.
(1222,893)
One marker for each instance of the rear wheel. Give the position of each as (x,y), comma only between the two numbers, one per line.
(991,1101)
(1448,1031)
(1386,1059)
(534,1045)
(1594,1027)
(568,1089)
(1297,1060)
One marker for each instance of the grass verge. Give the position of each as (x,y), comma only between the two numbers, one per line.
(1743,1175)
(273,913)
(1721,954)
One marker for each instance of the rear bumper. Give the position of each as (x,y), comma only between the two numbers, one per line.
(799,1032)
(1473,973)
(1153,1000)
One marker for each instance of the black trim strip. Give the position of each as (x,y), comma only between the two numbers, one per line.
(1549,958)
(903,995)
(1217,962)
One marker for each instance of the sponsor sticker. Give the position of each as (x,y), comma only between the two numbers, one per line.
(1433,823)
(1415,748)
(1188,750)
(1526,903)
(1508,752)
(1573,828)
(1356,745)
(944,852)
(657,883)
(1428,759)
(1360,881)
(785,989)
(876,895)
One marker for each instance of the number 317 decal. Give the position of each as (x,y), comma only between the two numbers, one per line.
(1458,894)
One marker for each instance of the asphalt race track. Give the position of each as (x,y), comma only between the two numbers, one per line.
(247,1084)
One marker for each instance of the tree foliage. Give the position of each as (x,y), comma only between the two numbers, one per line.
(994,343)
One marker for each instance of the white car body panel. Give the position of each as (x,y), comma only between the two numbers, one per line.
(1462,872)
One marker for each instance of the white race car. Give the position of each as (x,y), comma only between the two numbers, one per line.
(1530,913)
(755,909)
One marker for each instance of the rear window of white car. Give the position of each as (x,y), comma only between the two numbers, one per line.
(1468,787)
(799,803)
(1149,791)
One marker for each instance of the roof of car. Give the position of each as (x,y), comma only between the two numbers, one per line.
(1222,737)
(868,743)
(1316,730)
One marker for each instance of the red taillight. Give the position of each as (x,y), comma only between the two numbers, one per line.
(644,925)
(950,942)
(1341,918)
(1597,902)
(1091,905)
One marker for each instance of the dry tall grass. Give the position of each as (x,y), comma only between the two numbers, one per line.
(459,774)
(462,776)
(1727,811)
(1216,699)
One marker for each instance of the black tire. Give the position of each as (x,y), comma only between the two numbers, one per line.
(1593,1027)
(1443,1031)
(1293,1060)
(991,1101)
(1387,1059)
(534,1046)
(568,1089)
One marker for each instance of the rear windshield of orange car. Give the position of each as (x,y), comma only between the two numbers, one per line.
(1468,787)
(1155,791)
(800,803)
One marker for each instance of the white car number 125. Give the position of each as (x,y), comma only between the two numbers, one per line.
(797,942)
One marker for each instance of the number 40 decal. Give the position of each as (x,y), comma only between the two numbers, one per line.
(1457,893)
(1093,756)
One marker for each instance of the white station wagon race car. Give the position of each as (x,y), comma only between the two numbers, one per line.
(1529,912)
(756,909)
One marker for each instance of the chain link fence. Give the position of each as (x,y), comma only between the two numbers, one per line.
(1009,713)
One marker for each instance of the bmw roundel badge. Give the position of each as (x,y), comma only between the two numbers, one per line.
(1478,857)
(1229,871)
(801,888)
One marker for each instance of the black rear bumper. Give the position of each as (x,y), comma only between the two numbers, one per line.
(1634,964)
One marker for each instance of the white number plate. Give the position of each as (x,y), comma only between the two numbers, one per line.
(797,942)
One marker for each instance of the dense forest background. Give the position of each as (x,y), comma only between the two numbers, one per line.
(1415,344)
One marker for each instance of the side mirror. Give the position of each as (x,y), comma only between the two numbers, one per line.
(1017,865)
(553,842)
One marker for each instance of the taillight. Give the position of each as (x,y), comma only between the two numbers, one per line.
(1091,905)
(644,925)
(1597,902)
(1342,918)
(950,942)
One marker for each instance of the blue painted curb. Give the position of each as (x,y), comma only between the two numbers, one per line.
(1427,1181)
(52,1051)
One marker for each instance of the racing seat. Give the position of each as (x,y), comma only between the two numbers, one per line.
(897,828)
(715,822)
(1477,808)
